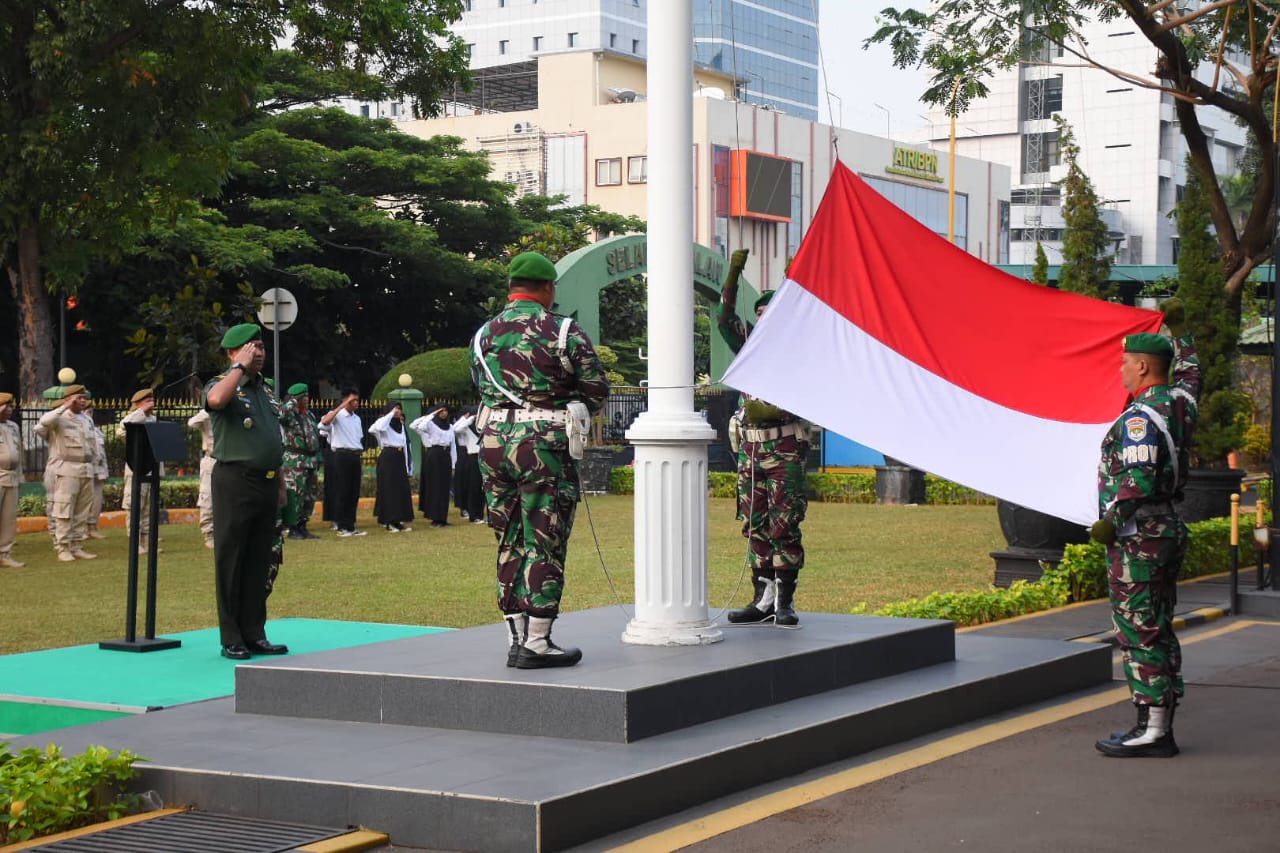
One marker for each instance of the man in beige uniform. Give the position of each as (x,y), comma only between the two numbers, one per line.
(10,479)
(143,402)
(100,474)
(71,449)
(200,421)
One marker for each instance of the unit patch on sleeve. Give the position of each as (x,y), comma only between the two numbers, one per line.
(1139,442)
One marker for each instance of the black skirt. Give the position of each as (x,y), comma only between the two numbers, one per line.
(468,486)
(393,501)
(433,493)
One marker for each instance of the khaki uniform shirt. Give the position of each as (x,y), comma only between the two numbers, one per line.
(71,442)
(10,454)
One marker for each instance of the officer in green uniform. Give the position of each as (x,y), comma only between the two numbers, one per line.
(771,479)
(1145,458)
(539,380)
(247,492)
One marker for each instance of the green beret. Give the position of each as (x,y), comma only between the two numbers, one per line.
(1149,344)
(298,389)
(238,336)
(531,266)
(271,383)
(763,299)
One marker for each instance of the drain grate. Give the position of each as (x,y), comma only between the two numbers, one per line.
(195,832)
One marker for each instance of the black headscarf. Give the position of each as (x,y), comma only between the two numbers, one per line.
(396,423)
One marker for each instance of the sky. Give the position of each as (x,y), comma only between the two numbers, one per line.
(860,79)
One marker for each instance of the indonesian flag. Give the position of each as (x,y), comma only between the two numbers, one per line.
(887,334)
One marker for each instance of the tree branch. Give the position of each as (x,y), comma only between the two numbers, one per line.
(1174,23)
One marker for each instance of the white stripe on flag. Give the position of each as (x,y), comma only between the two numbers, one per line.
(827,370)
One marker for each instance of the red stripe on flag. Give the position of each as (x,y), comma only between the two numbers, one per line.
(1033,349)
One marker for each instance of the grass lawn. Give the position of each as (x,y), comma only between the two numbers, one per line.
(444,576)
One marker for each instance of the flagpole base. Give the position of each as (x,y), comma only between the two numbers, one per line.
(639,633)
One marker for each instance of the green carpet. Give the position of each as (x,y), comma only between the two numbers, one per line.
(74,684)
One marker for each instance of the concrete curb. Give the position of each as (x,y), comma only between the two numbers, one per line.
(119,518)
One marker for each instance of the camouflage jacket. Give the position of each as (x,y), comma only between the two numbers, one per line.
(520,347)
(301,434)
(734,332)
(1145,455)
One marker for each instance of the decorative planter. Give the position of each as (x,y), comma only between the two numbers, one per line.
(899,484)
(594,468)
(1033,537)
(1208,493)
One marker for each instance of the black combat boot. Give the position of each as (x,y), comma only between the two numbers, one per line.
(784,609)
(517,625)
(1143,712)
(761,607)
(1155,740)
(306,534)
(295,532)
(538,652)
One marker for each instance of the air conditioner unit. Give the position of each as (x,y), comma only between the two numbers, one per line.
(622,95)
(522,127)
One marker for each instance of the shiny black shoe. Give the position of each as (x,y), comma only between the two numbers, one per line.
(554,656)
(296,533)
(1162,747)
(262,647)
(235,651)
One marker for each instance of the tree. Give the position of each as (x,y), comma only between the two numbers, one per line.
(116,111)
(1086,247)
(1215,327)
(963,42)
(1040,270)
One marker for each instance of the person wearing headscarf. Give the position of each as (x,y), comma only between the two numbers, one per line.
(393,500)
(438,456)
(468,485)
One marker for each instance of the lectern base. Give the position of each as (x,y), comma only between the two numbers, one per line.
(141,644)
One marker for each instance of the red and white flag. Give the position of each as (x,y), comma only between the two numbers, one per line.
(887,334)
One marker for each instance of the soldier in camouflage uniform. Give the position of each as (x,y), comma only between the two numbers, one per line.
(531,368)
(301,461)
(1143,469)
(771,480)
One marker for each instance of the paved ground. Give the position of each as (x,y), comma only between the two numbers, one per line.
(1031,780)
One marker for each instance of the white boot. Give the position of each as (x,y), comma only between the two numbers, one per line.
(538,651)
(517,628)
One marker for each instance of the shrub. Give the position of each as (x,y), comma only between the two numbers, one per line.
(977,607)
(843,488)
(440,374)
(940,491)
(33,505)
(622,481)
(722,484)
(43,792)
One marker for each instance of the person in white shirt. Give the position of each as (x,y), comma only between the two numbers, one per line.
(438,456)
(204,499)
(468,484)
(393,501)
(346,439)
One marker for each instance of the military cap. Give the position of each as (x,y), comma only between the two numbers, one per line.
(531,266)
(139,396)
(72,390)
(763,299)
(238,336)
(5,397)
(1149,344)
(298,389)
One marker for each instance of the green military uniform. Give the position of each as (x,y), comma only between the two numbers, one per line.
(301,464)
(771,481)
(1145,458)
(530,481)
(245,490)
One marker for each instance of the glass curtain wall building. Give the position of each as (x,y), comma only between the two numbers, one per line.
(769,45)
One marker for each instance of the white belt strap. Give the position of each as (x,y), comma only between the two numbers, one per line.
(1163,426)
(562,346)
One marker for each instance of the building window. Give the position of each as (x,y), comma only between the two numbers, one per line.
(1047,156)
(502,46)
(613,39)
(466,5)
(502,4)
(635,45)
(573,39)
(395,109)
(637,170)
(537,42)
(364,110)
(1050,100)
(609,172)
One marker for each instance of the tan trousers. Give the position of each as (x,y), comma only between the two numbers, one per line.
(8,518)
(205,499)
(98,487)
(49,478)
(70,508)
(144,512)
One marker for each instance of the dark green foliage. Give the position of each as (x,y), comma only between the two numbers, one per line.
(1214,322)
(442,374)
(1040,270)
(1086,247)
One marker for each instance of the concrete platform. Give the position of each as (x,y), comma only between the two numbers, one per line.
(619,693)
(1260,602)
(447,788)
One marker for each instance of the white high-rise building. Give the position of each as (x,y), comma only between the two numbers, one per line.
(1129,139)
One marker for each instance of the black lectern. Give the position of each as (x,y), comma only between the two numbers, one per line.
(146,446)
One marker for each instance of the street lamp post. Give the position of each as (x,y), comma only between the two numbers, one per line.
(888,118)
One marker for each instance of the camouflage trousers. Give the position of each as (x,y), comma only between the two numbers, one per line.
(1142,576)
(531,492)
(301,485)
(772,502)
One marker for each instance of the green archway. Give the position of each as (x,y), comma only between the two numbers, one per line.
(589,270)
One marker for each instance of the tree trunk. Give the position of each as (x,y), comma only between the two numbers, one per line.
(35,325)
